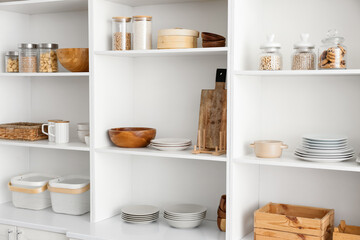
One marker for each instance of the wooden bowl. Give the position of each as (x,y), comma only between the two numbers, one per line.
(74,59)
(132,137)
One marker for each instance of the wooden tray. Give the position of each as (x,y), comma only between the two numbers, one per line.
(346,232)
(282,221)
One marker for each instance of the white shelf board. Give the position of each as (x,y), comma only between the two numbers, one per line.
(250,236)
(114,228)
(75,146)
(289,160)
(43,6)
(348,72)
(136,3)
(166,52)
(186,154)
(58,74)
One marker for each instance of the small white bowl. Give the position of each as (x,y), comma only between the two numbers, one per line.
(83,127)
(82,134)
(87,140)
(184,224)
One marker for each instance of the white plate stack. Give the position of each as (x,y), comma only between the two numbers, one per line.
(325,149)
(171,144)
(185,215)
(140,214)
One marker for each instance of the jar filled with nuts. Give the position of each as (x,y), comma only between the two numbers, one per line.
(28,57)
(48,61)
(121,38)
(332,54)
(270,58)
(304,57)
(12,62)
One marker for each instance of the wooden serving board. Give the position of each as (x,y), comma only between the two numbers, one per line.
(212,118)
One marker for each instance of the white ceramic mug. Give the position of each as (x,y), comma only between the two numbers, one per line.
(50,123)
(60,130)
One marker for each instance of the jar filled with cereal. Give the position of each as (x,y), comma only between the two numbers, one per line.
(28,57)
(270,58)
(304,57)
(121,33)
(12,62)
(332,54)
(48,61)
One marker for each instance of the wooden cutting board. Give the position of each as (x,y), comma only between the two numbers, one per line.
(212,118)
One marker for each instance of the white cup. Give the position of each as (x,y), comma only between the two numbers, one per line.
(60,130)
(83,126)
(50,123)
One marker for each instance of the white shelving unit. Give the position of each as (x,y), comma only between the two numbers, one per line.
(161,89)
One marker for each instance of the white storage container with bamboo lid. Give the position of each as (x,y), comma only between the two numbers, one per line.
(30,191)
(70,194)
(177,38)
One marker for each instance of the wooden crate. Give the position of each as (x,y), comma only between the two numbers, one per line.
(282,221)
(346,232)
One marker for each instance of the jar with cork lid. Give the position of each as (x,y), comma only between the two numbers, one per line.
(142,32)
(28,57)
(121,33)
(270,57)
(304,57)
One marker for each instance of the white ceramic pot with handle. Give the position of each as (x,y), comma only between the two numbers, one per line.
(268,148)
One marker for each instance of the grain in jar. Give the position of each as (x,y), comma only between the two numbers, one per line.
(270,57)
(142,32)
(28,57)
(12,62)
(48,61)
(304,57)
(121,33)
(333,53)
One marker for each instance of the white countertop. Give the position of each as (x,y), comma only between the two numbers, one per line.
(79,227)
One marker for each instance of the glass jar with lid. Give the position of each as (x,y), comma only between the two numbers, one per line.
(332,54)
(304,57)
(121,33)
(270,58)
(12,62)
(48,61)
(28,57)
(142,32)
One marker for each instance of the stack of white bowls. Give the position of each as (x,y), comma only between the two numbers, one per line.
(185,215)
(83,131)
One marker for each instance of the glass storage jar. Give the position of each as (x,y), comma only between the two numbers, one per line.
(28,57)
(304,57)
(12,62)
(142,32)
(270,58)
(48,61)
(332,54)
(121,33)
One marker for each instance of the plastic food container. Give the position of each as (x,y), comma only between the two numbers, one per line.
(30,191)
(70,194)
(121,30)
(177,38)
(304,57)
(270,58)
(332,54)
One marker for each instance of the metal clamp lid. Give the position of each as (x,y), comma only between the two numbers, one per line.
(12,53)
(28,46)
(48,46)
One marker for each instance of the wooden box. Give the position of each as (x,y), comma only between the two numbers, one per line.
(346,232)
(281,221)
(177,38)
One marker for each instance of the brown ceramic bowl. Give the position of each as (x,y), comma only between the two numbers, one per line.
(136,137)
(74,59)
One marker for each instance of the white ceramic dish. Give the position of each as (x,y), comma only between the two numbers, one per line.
(328,153)
(183,218)
(140,210)
(358,159)
(346,150)
(82,134)
(87,140)
(171,141)
(170,148)
(328,160)
(326,138)
(140,222)
(324,156)
(183,224)
(324,145)
(185,209)
(83,126)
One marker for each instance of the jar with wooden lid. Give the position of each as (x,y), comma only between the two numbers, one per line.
(270,57)
(12,62)
(304,57)
(121,33)
(48,61)
(28,57)
(142,32)
(332,54)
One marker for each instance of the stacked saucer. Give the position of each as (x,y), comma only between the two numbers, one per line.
(185,215)
(170,144)
(325,149)
(140,214)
